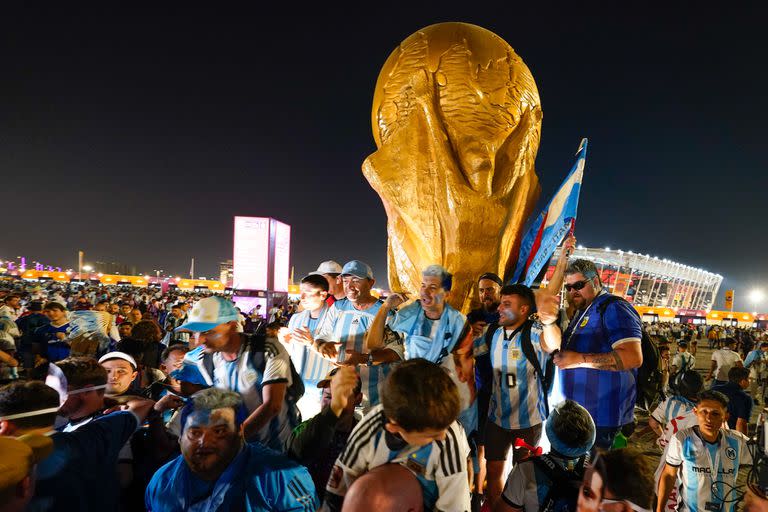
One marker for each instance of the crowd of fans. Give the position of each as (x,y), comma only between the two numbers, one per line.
(117,399)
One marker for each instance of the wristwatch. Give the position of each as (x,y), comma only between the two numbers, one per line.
(370,359)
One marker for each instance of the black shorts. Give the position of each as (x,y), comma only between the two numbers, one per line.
(498,440)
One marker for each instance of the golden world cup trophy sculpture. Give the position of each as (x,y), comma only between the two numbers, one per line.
(457,120)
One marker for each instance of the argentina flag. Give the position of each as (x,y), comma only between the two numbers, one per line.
(552,224)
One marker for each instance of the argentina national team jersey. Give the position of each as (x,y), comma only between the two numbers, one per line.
(517,401)
(240,376)
(707,471)
(348,325)
(440,467)
(674,413)
(308,363)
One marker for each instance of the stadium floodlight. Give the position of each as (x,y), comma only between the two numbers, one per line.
(756,296)
(580,247)
(87,268)
(608,249)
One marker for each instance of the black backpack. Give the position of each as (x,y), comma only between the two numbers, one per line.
(649,385)
(257,347)
(546,377)
(564,491)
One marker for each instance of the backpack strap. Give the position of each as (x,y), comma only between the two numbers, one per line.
(530,354)
(255,344)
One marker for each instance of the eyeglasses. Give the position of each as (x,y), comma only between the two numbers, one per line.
(578,285)
(636,508)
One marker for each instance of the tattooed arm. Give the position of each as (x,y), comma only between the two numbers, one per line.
(624,356)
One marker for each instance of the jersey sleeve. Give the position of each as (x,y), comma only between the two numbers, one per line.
(675,450)
(451,475)
(660,412)
(514,489)
(293,491)
(326,330)
(277,368)
(622,323)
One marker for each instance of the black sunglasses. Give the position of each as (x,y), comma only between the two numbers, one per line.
(578,285)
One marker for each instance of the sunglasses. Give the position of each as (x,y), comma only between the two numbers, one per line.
(578,285)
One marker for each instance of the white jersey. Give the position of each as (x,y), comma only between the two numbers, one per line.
(707,471)
(684,361)
(725,359)
(440,467)
(348,325)
(674,413)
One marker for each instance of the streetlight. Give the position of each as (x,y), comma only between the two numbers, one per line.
(87,268)
(756,296)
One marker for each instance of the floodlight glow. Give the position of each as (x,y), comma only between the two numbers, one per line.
(756,296)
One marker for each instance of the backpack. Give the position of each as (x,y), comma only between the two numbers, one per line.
(648,379)
(258,357)
(564,491)
(546,377)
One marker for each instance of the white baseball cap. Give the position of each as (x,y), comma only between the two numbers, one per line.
(118,355)
(209,312)
(327,267)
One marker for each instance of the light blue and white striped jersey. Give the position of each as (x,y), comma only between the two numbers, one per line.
(517,401)
(674,414)
(240,376)
(348,325)
(309,364)
(696,460)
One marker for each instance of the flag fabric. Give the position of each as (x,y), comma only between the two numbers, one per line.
(552,224)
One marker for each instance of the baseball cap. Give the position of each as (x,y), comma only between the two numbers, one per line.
(358,269)
(209,312)
(118,355)
(491,276)
(327,267)
(20,454)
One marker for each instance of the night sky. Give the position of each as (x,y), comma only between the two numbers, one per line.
(136,136)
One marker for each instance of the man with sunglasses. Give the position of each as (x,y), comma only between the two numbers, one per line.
(599,350)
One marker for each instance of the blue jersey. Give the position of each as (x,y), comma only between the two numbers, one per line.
(706,467)
(517,399)
(349,325)
(256,479)
(608,396)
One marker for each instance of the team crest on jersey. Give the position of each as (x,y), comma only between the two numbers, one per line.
(414,465)
(336,474)
(730,453)
(584,322)
(250,376)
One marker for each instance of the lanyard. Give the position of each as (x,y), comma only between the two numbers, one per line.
(714,465)
(575,324)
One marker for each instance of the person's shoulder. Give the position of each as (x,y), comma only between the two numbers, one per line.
(264,460)
(735,434)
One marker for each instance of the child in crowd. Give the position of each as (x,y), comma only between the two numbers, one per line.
(414,426)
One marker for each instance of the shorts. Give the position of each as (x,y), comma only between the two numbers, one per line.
(498,440)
